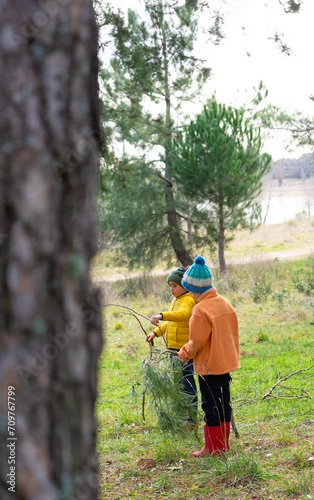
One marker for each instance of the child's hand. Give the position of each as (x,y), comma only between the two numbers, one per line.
(155,319)
(150,337)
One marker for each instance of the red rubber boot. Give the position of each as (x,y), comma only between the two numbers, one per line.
(216,440)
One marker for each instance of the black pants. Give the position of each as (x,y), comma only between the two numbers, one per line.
(216,405)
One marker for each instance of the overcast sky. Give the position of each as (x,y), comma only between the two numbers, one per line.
(247,55)
(289,79)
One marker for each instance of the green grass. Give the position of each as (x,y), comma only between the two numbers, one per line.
(270,460)
(294,236)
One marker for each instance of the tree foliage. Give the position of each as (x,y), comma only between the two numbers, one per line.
(299,126)
(218,163)
(153,72)
(134,213)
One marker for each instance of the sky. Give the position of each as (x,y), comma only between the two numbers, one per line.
(289,79)
(247,55)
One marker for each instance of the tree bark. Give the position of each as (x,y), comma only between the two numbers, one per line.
(172,219)
(175,237)
(221,248)
(50,316)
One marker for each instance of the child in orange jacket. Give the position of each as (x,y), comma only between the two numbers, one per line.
(214,347)
(176,332)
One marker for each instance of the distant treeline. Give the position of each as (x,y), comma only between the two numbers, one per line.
(300,168)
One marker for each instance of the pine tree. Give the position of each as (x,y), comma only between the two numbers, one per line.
(152,73)
(218,163)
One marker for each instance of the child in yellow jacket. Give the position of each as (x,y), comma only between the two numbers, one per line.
(214,346)
(176,332)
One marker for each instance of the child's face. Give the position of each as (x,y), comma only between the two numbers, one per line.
(176,289)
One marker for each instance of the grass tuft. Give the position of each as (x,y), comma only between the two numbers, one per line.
(240,468)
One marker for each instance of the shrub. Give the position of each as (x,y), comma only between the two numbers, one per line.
(261,289)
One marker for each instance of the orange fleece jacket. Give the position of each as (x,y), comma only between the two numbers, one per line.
(214,336)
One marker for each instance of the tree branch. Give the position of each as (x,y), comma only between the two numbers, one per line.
(269,393)
(139,314)
(164,179)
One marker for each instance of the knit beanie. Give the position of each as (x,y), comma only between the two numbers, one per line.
(198,278)
(176,275)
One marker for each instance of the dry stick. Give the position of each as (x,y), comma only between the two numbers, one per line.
(252,489)
(134,316)
(139,314)
(150,345)
(296,391)
(165,351)
(285,378)
(304,394)
(143,405)
(133,313)
(290,397)
(129,308)
(234,426)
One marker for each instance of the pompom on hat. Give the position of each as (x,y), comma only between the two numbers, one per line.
(176,275)
(198,278)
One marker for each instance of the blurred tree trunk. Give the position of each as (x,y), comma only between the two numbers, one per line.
(50,316)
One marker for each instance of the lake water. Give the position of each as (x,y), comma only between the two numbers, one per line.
(281,209)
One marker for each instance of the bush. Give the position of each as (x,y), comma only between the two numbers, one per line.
(261,289)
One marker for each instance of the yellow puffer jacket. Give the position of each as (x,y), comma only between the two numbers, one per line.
(176,326)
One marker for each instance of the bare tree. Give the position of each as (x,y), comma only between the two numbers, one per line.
(50,317)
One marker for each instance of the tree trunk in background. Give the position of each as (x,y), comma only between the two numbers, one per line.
(177,243)
(50,317)
(172,219)
(222,241)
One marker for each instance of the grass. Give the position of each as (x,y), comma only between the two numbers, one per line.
(293,236)
(275,306)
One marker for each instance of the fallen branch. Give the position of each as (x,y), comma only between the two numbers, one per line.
(134,313)
(269,393)
(134,316)
(165,351)
(143,405)
(129,308)
(234,426)
(258,493)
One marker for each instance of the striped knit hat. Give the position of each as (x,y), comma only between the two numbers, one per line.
(198,278)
